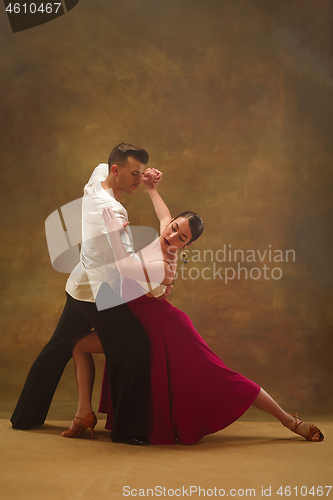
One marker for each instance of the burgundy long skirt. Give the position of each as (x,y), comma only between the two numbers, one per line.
(193,393)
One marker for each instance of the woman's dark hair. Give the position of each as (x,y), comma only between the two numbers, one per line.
(195,222)
(121,152)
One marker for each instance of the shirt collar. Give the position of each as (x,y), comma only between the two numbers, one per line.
(99,189)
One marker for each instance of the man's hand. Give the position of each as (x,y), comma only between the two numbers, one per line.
(166,293)
(112,223)
(151,177)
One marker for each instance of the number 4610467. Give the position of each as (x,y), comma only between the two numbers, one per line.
(32,8)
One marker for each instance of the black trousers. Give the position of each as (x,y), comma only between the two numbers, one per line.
(126,347)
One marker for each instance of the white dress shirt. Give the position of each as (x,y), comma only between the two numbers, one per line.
(97,264)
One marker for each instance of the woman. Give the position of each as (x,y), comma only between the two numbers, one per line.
(192,392)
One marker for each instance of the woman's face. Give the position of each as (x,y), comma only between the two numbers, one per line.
(176,235)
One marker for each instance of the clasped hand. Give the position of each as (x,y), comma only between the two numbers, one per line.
(112,223)
(151,177)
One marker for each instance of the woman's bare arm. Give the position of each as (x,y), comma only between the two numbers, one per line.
(150,178)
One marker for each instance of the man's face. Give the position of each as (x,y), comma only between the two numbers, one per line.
(129,176)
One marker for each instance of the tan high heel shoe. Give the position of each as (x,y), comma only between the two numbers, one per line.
(313,430)
(89,421)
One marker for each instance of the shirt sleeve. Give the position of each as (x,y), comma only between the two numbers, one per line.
(121,214)
(126,235)
(99,174)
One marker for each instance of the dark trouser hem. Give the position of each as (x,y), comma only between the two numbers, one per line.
(126,348)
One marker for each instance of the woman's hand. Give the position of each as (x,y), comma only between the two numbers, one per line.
(112,223)
(151,177)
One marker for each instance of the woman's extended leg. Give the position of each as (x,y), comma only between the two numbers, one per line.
(266,403)
(84,367)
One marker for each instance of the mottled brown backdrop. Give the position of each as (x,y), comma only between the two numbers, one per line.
(233,100)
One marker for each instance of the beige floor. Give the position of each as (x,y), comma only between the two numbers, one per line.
(40,464)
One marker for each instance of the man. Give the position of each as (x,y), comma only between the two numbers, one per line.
(124,341)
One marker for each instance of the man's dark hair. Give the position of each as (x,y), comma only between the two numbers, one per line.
(121,152)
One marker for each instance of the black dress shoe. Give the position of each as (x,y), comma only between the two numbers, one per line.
(136,442)
(133,441)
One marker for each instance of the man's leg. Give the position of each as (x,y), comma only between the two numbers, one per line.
(46,371)
(127,351)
